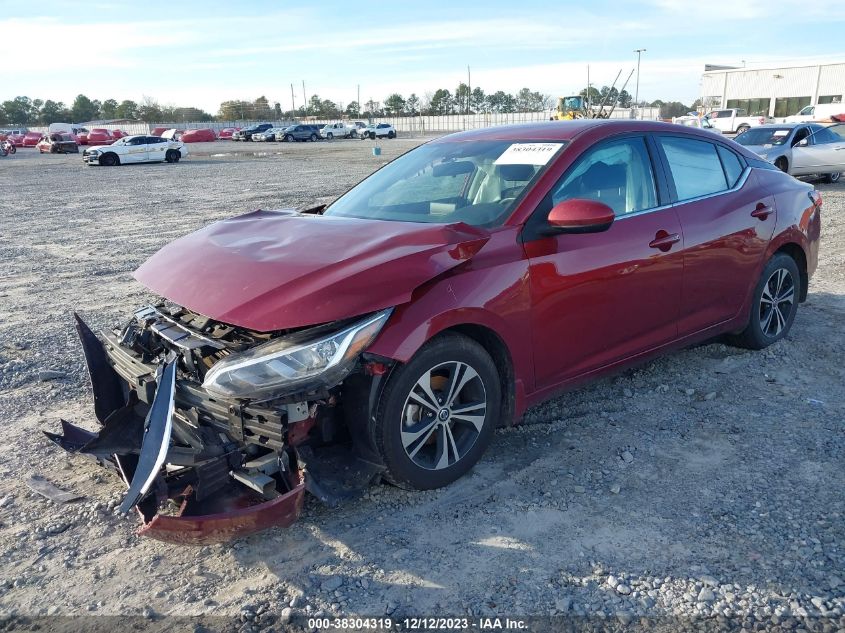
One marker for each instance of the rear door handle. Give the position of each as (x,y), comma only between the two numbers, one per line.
(664,240)
(762,211)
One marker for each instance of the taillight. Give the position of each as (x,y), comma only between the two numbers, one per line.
(816,198)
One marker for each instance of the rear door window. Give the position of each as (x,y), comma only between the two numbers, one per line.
(732,164)
(695,167)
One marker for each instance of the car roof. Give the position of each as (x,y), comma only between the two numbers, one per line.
(568,130)
(792,124)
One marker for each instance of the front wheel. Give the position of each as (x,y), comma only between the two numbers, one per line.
(288,138)
(437,413)
(781,164)
(773,305)
(109,160)
(172,156)
(329,136)
(741,129)
(833,178)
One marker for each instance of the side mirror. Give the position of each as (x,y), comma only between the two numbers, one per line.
(803,143)
(580,216)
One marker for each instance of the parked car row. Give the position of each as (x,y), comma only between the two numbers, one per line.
(266,132)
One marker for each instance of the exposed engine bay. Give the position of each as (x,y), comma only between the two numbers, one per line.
(217,430)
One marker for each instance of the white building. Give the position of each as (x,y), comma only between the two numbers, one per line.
(776,91)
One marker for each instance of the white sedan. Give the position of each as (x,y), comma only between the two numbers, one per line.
(379,130)
(136,149)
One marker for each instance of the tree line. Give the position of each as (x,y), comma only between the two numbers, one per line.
(23,110)
(463,100)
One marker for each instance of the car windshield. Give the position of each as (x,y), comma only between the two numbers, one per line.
(764,136)
(477,182)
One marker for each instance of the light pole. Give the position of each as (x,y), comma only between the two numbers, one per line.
(639,52)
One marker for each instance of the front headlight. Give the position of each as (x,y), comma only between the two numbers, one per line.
(92,152)
(289,363)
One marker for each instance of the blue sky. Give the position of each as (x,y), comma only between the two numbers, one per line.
(202,53)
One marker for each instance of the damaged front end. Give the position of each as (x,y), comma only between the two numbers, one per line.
(218,430)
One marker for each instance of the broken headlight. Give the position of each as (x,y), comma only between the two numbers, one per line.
(289,364)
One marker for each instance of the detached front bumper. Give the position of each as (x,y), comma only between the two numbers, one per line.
(198,469)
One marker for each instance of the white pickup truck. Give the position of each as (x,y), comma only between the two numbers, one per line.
(735,120)
(337,130)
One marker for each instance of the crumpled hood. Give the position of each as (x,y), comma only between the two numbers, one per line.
(273,270)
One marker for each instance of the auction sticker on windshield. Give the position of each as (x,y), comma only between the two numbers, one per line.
(528,154)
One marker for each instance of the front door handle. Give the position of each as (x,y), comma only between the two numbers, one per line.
(664,240)
(762,211)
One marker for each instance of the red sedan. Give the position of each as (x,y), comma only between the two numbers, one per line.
(31,139)
(471,278)
(198,136)
(226,133)
(100,136)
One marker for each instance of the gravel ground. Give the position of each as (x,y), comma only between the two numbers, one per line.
(708,484)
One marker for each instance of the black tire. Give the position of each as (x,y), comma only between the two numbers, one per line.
(741,129)
(372,136)
(833,178)
(391,134)
(329,136)
(313,137)
(443,434)
(782,164)
(109,160)
(288,138)
(766,325)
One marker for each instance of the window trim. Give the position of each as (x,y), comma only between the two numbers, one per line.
(673,190)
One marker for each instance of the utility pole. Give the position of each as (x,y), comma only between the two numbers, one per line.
(292,102)
(304,98)
(639,52)
(359,101)
(469,88)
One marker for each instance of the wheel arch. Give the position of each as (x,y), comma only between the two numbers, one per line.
(102,156)
(499,352)
(482,327)
(800,257)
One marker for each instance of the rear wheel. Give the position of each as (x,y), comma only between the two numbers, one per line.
(313,137)
(391,134)
(773,305)
(109,160)
(833,178)
(437,414)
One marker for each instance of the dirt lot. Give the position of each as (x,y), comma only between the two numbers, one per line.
(709,483)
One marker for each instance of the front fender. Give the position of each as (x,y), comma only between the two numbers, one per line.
(491,291)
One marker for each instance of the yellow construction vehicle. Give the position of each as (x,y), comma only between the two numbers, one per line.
(569,108)
(577,107)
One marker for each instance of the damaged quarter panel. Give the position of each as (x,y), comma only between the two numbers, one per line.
(273,270)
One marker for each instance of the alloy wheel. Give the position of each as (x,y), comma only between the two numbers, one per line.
(777,302)
(443,415)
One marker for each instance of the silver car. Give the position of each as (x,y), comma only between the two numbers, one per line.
(799,149)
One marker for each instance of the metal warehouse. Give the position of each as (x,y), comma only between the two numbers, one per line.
(775,92)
